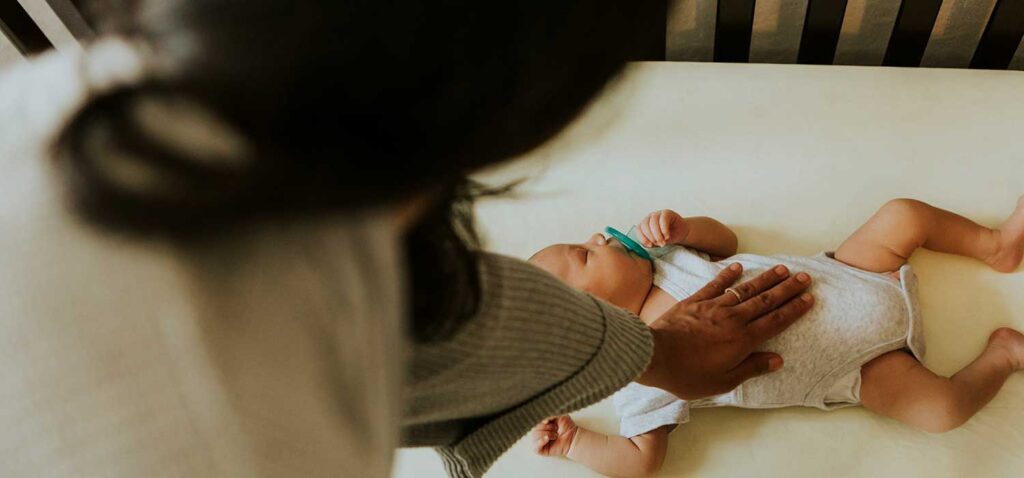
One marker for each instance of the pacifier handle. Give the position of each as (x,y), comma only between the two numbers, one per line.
(629,243)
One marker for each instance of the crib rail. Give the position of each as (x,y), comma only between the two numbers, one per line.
(912,33)
(928,33)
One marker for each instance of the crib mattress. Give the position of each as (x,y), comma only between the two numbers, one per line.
(794,158)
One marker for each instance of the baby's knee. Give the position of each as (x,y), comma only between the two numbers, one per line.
(912,215)
(904,208)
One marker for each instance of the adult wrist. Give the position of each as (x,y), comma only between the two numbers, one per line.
(650,375)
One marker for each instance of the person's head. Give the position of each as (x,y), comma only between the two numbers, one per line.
(342,104)
(334,106)
(601,266)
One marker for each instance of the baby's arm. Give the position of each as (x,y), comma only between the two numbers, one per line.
(639,456)
(704,234)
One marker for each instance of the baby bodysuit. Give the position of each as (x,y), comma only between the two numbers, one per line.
(857,316)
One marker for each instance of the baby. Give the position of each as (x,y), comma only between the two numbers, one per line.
(861,343)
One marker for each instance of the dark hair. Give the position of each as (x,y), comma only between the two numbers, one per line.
(341,105)
(442,249)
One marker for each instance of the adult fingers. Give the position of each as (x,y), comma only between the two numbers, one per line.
(776,321)
(652,224)
(764,281)
(755,365)
(717,286)
(768,300)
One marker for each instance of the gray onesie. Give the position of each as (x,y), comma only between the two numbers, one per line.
(857,316)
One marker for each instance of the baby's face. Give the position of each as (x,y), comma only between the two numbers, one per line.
(602,267)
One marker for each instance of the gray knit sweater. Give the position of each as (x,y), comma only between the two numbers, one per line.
(537,348)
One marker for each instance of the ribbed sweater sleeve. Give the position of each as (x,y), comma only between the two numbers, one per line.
(536,348)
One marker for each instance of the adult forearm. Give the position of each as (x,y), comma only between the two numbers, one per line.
(536,348)
(540,333)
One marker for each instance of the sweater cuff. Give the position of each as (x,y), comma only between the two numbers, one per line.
(623,354)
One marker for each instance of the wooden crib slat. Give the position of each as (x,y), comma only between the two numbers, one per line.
(1002,36)
(19,28)
(69,14)
(958,29)
(691,30)
(867,27)
(821,31)
(1017,63)
(910,35)
(778,27)
(732,30)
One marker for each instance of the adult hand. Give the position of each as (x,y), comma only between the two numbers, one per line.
(704,345)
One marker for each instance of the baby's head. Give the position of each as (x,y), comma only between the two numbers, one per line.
(602,267)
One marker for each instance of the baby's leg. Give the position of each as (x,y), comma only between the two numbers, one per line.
(898,386)
(887,240)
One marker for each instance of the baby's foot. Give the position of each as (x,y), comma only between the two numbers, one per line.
(1011,342)
(1010,236)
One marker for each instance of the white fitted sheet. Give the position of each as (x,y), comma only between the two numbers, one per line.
(794,158)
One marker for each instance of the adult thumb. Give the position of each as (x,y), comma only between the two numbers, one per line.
(755,365)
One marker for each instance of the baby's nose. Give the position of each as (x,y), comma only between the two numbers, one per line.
(597,239)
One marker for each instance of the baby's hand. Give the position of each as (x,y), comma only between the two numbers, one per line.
(553,436)
(661,228)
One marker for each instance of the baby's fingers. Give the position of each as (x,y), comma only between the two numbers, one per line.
(542,441)
(539,443)
(664,222)
(547,425)
(646,238)
(652,224)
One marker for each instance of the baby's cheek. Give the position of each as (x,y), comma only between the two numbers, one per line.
(625,277)
(600,286)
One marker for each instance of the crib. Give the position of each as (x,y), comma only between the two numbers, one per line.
(911,33)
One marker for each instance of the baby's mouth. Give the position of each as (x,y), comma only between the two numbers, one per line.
(625,250)
(627,243)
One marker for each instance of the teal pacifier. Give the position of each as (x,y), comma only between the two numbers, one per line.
(628,243)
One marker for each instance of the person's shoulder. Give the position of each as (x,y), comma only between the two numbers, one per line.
(498,270)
